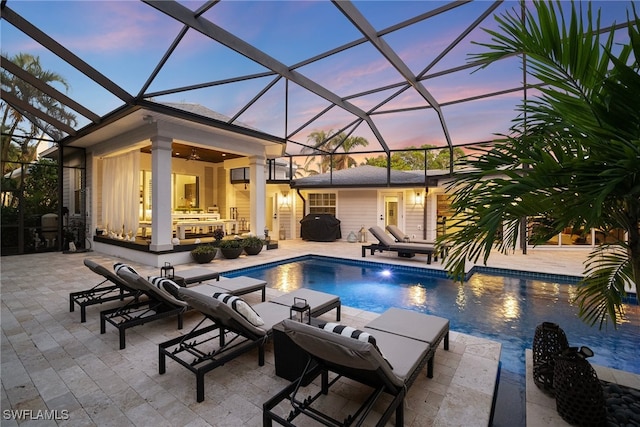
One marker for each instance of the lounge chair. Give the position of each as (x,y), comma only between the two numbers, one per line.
(386,243)
(402,237)
(163,301)
(159,304)
(319,302)
(389,365)
(414,325)
(235,334)
(111,288)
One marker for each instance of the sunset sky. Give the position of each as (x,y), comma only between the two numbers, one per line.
(125,40)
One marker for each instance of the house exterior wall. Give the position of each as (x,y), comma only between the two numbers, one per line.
(414,216)
(356,208)
(359,207)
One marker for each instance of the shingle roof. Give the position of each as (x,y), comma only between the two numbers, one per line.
(364,176)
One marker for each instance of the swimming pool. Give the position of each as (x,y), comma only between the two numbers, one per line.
(506,309)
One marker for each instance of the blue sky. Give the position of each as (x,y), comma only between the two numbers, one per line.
(125,40)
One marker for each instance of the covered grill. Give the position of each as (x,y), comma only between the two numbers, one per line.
(320,228)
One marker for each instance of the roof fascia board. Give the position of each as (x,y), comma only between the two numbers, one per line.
(134,139)
(331,186)
(106,120)
(186,115)
(226,141)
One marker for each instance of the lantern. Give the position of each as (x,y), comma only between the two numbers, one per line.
(300,311)
(167,270)
(362,235)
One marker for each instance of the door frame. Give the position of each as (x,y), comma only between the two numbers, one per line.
(381,211)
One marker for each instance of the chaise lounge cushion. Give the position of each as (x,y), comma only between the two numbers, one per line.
(320,302)
(411,324)
(340,350)
(403,353)
(240,306)
(389,242)
(219,311)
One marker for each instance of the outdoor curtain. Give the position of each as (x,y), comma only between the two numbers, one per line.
(121,193)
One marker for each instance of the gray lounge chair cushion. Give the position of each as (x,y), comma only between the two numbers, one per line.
(220,312)
(389,242)
(108,274)
(241,284)
(344,351)
(319,301)
(271,313)
(411,324)
(404,354)
(403,237)
(382,237)
(240,306)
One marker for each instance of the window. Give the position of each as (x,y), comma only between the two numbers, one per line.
(77,192)
(320,203)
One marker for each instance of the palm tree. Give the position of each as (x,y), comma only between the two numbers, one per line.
(16,129)
(571,159)
(326,144)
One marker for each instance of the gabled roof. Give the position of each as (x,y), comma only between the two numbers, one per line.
(370,176)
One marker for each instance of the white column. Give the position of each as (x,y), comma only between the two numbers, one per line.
(161,223)
(257,198)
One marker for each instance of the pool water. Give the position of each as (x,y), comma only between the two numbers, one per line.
(506,309)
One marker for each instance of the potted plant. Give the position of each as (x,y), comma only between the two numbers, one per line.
(252,245)
(203,254)
(218,234)
(231,248)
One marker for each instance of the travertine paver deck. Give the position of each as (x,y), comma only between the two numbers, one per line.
(54,365)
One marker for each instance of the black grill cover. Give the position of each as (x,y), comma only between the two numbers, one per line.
(320,228)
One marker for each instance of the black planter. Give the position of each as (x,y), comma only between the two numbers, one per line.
(253,250)
(203,258)
(231,253)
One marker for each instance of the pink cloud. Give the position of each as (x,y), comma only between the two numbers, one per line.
(119,26)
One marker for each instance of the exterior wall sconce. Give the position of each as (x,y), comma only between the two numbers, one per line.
(419,201)
(285,199)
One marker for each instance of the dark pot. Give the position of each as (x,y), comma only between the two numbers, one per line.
(231,253)
(203,258)
(253,250)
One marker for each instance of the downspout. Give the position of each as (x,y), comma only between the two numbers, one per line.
(304,202)
(424,199)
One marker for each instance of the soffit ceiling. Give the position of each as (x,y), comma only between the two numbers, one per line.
(396,73)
